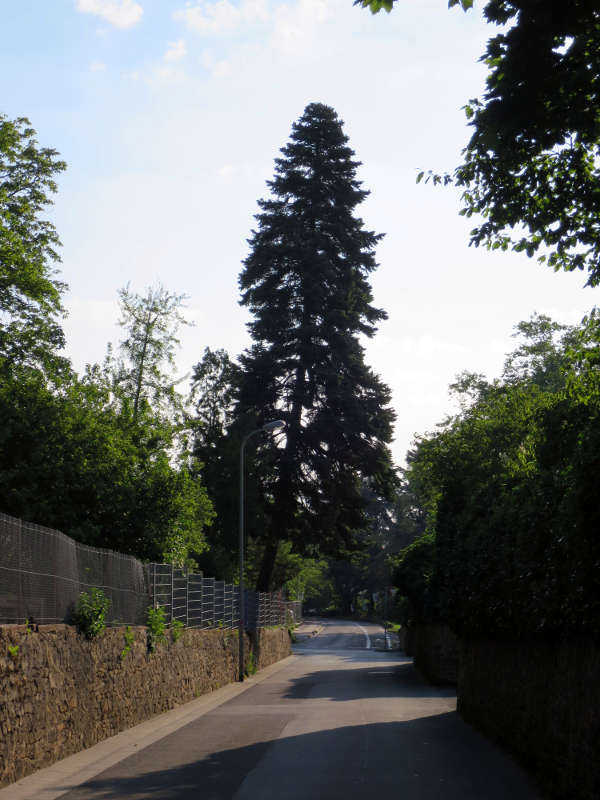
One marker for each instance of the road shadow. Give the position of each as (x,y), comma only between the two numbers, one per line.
(374,680)
(430,758)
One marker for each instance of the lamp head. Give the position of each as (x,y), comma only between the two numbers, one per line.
(273,425)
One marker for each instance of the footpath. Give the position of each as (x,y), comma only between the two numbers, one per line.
(306,630)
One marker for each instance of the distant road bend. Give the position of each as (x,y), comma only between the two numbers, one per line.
(340,720)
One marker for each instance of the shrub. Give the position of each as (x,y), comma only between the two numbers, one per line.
(129,639)
(177,629)
(155,622)
(250,665)
(90,615)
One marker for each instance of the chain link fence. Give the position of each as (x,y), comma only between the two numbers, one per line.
(43,572)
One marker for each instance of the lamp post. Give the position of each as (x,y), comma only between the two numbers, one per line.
(268,426)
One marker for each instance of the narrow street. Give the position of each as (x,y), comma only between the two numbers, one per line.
(338,720)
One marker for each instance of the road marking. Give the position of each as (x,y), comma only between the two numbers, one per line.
(368,644)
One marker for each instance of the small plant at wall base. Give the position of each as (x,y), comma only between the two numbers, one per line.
(13,649)
(155,622)
(129,639)
(250,667)
(177,629)
(90,615)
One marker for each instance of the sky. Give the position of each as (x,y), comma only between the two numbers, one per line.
(170,114)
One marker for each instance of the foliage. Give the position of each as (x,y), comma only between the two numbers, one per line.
(73,460)
(305,282)
(509,487)
(30,294)
(156,625)
(531,168)
(216,450)
(413,574)
(145,375)
(375,6)
(250,667)
(91,611)
(129,636)
(13,650)
(104,457)
(177,630)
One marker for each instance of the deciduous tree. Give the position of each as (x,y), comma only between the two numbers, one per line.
(30,293)
(531,169)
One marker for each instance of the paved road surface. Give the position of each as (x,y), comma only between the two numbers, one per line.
(340,720)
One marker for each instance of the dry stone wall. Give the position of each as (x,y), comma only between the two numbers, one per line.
(60,693)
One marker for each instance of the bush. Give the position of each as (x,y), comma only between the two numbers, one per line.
(155,622)
(90,615)
(177,629)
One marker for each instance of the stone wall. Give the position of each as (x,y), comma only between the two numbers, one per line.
(435,651)
(541,700)
(60,693)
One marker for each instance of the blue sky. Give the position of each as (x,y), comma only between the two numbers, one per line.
(169,115)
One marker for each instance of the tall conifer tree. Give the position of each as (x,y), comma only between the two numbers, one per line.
(306,283)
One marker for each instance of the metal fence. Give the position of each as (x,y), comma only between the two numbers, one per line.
(200,602)
(43,572)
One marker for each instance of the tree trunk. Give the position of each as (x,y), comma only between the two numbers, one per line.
(265,576)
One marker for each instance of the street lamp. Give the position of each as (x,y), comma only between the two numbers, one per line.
(268,426)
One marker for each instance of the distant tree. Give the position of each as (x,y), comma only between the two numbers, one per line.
(214,383)
(145,372)
(216,450)
(30,294)
(305,282)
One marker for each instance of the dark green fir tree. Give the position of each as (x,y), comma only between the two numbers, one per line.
(306,284)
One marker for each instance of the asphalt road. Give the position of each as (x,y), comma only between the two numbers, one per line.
(341,720)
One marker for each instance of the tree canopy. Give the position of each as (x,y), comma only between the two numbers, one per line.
(30,293)
(531,168)
(509,490)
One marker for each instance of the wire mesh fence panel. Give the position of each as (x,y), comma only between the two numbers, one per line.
(251,610)
(43,572)
(161,587)
(179,595)
(235,601)
(208,603)
(219,604)
(195,601)
(228,605)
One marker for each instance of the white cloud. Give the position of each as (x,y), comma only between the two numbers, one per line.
(175,50)
(226,171)
(295,25)
(222,17)
(120,13)
(97,66)
(218,68)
